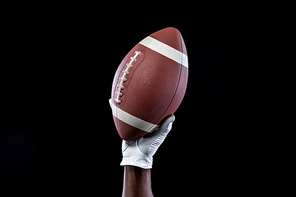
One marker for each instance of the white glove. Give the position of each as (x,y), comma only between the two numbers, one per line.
(140,152)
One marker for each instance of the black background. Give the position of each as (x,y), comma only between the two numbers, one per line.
(57,65)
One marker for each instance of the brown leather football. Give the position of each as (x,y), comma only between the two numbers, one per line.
(149,84)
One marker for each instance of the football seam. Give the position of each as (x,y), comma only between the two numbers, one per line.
(177,86)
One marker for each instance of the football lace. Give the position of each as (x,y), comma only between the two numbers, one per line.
(123,78)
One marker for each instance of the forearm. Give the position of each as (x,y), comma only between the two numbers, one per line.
(137,182)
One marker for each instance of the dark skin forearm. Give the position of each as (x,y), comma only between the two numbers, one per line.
(137,182)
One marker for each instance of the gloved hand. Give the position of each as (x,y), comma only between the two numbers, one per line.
(140,152)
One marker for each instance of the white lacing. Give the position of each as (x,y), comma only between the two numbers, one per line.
(125,73)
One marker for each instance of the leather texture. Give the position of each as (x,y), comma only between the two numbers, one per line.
(154,87)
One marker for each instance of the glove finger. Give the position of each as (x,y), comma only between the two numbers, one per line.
(157,137)
(164,128)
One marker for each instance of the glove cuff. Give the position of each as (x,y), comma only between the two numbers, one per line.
(145,163)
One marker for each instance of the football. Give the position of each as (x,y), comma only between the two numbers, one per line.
(149,84)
